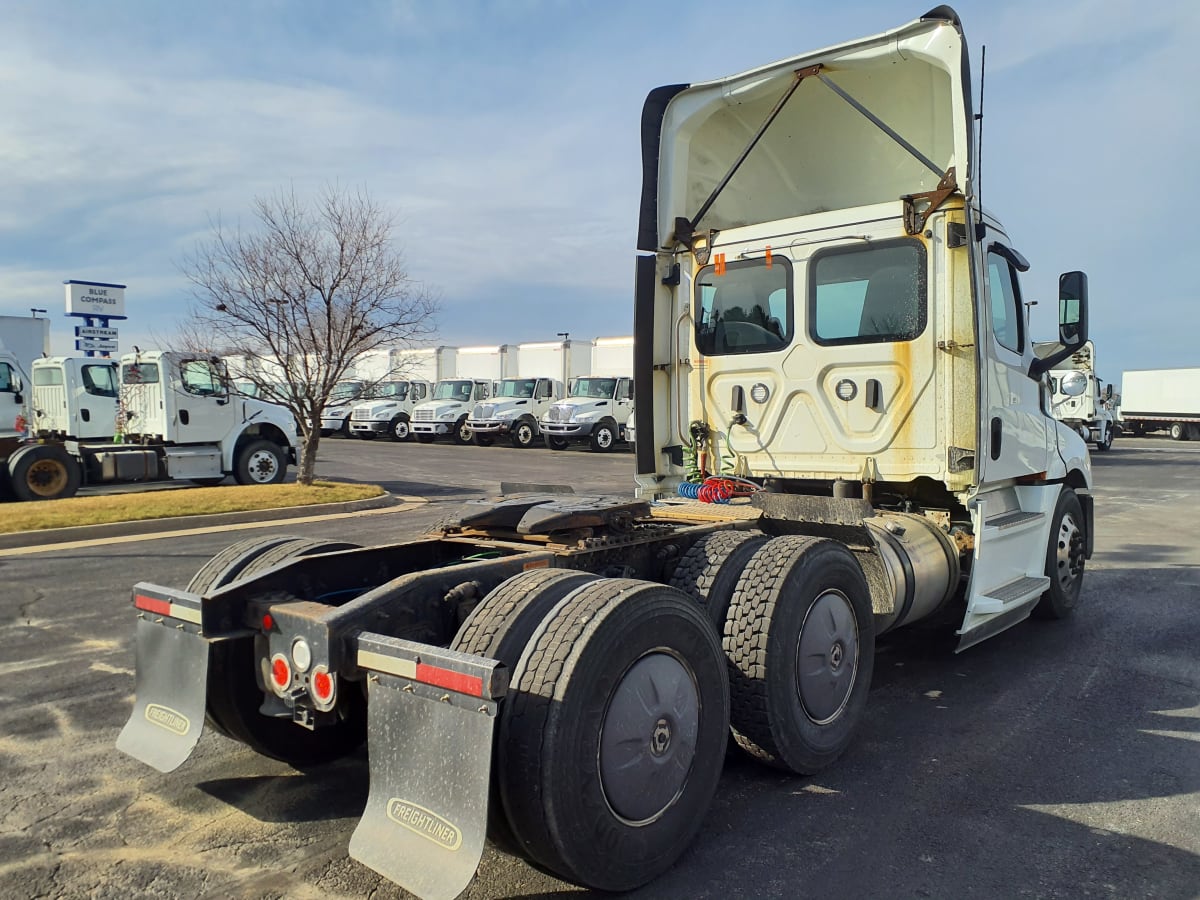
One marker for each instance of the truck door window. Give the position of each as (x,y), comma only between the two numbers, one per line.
(200,378)
(748,309)
(6,377)
(99,380)
(1004,299)
(864,295)
(625,389)
(139,373)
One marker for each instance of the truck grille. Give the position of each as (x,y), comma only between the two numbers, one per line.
(422,415)
(559,414)
(484,411)
(360,415)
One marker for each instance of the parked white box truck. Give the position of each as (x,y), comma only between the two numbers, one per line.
(598,406)
(517,404)
(477,372)
(386,409)
(1161,400)
(419,365)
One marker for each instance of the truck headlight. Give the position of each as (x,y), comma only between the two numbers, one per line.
(446,417)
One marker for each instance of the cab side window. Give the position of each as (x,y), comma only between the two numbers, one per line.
(1004,300)
(6,378)
(200,378)
(99,380)
(625,389)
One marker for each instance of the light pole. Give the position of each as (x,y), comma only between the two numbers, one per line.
(1029,304)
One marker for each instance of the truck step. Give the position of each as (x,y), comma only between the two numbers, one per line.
(1016,518)
(1010,595)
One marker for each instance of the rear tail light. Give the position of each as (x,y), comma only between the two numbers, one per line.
(323,688)
(281,674)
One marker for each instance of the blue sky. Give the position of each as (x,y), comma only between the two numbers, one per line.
(506,136)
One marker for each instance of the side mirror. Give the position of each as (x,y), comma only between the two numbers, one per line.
(1072,322)
(1108,392)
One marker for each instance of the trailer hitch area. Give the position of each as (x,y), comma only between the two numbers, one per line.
(172,676)
(431,714)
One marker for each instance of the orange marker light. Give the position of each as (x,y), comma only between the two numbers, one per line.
(768,256)
(719,264)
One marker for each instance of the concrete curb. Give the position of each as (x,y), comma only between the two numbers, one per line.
(21,539)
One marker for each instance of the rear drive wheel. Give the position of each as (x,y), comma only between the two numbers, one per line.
(523,434)
(44,472)
(604,436)
(1178,432)
(557,443)
(482,440)
(1064,559)
(399,430)
(800,639)
(260,462)
(613,744)
(235,690)
(710,570)
(1106,441)
(499,628)
(462,431)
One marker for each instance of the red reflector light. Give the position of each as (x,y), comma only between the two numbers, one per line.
(152,604)
(268,622)
(281,672)
(454,681)
(322,684)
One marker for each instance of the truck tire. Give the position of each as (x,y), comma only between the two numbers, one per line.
(557,443)
(260,462)
(399,429)
(615,734)
(344,430)
(43,472)
(523,433)
(231,708)
(424,438)
(499,628)
(1178,431)
(604,436)
(462,432)
(1064,559)
(710,570)
(800,638)
(1105,442)
(482,440)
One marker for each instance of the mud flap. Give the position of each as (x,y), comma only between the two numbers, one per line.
(168,714)
(430,750)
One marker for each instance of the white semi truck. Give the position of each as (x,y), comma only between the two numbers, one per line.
(176,420)
(1161,400)
(1078,397)
(518,403)
(387,410)
(830,336)
(477,372)
(598,407)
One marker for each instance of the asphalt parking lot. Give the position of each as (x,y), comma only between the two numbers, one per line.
(1055,760)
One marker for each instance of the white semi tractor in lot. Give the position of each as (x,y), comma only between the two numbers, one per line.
(388,410)
(1161,400)
(1078,397)
(830,335)
(176,419)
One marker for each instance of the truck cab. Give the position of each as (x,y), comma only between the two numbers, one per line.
(11,402)
(513,411)
(387,409)
(447,410)
(74,398)
(596,411)
(1078,398)
(335,417)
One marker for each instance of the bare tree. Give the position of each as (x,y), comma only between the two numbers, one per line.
(302,296)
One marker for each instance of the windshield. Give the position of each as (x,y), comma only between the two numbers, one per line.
(520,388)
(453,390)
(395,389)
(345,390)
(599,388)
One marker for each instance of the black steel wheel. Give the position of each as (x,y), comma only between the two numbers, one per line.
(614,739)
(499,628)
(524,433)
(43,472)
(604,436)
(557,443)
(800,638)
(462,431)
(1065,558)
(710,570)
(260,462)
(1106,440)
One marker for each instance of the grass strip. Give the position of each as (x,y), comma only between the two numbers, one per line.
(163,504)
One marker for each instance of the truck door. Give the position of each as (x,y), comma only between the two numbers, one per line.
(9,407)
(1015,436)
(203,411)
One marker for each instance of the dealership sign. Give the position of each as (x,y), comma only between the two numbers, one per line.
(95,298)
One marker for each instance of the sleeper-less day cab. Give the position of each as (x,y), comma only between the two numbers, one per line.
(826,321)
